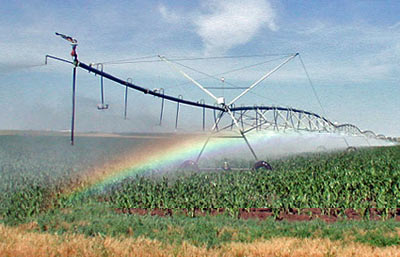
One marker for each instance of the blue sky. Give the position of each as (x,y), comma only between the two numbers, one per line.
(351,50)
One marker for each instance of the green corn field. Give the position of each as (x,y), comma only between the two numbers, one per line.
(37,171)
(368,178)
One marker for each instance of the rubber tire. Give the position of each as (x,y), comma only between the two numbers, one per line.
(351,149)
(262,164)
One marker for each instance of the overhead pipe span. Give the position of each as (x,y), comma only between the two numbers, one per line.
(222,108)
(146,90)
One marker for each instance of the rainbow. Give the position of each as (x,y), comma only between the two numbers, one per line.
(161,154)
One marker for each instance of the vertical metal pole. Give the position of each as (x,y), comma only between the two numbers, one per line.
(74,44)
(128,80)
(73,105)
(291,118)
(241,118)
(287,118)
(204,118)
(162,106)
(299,119)
(276,119)
(204,114)
(215,118)
(126,101)
(102,106)
(257,129)
(177,112)
(177,115)
(102,87)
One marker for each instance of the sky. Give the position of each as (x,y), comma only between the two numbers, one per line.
(351,51)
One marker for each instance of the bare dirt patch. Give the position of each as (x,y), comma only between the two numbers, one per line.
(305,214)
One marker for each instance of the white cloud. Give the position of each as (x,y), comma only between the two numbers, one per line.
(231,23)
(225,24)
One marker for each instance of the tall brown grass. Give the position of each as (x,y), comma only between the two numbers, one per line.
(22,242)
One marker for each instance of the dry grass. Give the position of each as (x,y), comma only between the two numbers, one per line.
(20,242)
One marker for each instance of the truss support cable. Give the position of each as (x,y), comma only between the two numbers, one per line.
(142,59)
(262,78)
(312,86)
(224,73)
(123,61)
(190,78)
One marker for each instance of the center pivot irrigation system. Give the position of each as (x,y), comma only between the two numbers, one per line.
(244,118)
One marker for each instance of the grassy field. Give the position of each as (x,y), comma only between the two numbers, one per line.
(36,205)
(20,242)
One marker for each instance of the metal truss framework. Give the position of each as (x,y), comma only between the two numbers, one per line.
(284,119)
(244,119)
